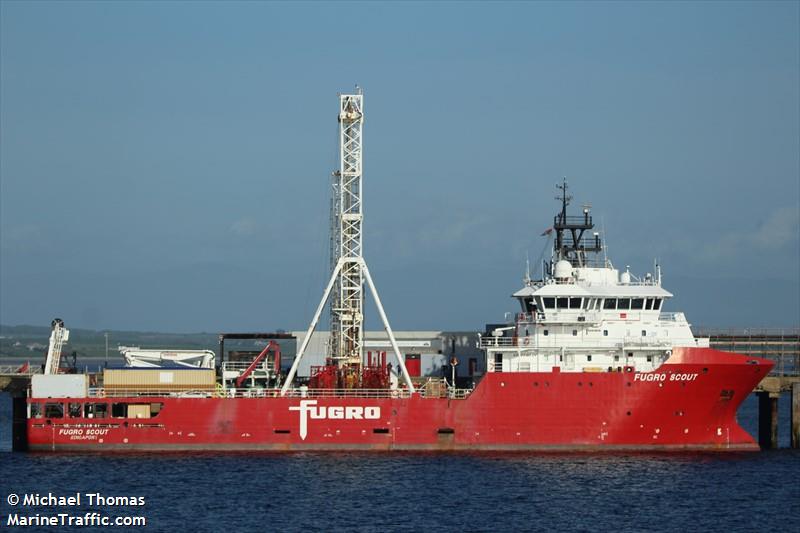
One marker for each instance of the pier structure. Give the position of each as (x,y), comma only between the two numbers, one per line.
(781,346)
(16,381)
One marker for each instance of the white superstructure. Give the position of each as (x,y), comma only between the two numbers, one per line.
(584,315)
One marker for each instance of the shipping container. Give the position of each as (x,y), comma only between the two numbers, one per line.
(159,379)
(59,386)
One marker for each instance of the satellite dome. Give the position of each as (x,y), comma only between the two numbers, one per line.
(563,269)
(625,278)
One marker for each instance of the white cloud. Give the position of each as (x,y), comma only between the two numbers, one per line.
(245,226)
(781,228)
(21,238)
(779,231)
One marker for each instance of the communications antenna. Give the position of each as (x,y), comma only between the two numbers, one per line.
(348,269)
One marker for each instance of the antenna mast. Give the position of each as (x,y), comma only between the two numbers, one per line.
(570,244)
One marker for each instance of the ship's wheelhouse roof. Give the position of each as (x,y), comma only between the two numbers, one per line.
(598,291)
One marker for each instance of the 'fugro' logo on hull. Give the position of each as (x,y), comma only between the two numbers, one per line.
(335,412)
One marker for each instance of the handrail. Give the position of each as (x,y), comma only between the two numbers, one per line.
(790,334)
(20,370)
(242,365)
(614,343)
(102,392)
(444,392)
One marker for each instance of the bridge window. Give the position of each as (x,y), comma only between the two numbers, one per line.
(562,303)
(549,303)
(54,410)
(649,304)
(657,304)
(624,303)
(575,303)
(610,303)
(637,303)
(36,410)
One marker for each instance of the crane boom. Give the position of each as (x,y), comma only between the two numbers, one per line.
(58,336)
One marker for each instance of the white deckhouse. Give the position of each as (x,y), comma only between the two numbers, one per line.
(584,316)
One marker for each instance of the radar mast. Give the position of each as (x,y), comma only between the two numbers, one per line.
(570,244)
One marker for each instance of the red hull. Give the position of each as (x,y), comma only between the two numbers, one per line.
(693,406)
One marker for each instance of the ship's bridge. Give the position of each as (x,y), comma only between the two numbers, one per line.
(579,303)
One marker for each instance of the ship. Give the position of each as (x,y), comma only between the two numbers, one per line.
(589,362)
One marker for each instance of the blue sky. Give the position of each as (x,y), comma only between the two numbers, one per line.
(165,166)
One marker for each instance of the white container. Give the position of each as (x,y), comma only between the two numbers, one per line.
(59,386)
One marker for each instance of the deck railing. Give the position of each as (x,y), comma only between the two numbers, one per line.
(15,370)
(239,366)
(613,343)
(100,392)
(781,345)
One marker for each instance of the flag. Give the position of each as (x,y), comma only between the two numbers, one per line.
(548,231)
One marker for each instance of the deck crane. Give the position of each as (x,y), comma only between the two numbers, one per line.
(58,336)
